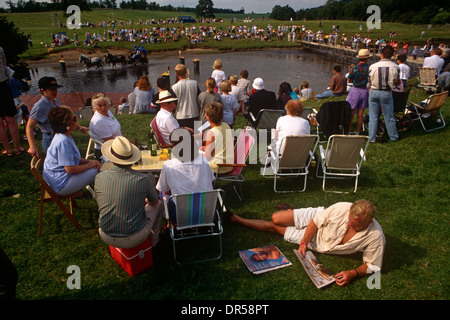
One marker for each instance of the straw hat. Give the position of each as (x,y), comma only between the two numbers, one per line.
(363,54)
(165,96)
(121,151)
(258,84)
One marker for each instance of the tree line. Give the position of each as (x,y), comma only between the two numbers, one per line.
(61,5)
(401,11)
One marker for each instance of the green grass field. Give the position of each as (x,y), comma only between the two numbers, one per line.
(406,180)
(40,25)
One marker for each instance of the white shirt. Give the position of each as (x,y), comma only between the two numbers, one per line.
(290,126)
(166,124)
(434,62)
(102,127)
(405,71)
(219,76)
(187,177)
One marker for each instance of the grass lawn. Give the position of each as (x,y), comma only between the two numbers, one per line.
(406,180)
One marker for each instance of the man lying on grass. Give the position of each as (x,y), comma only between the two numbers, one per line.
(343,228)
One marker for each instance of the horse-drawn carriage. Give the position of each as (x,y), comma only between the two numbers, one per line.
(89,62)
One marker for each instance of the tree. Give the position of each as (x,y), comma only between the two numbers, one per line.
(282,13)
(205,9)
(12,41)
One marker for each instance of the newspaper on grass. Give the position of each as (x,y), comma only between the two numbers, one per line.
(319,275)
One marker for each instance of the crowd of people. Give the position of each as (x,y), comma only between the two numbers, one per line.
(130,202)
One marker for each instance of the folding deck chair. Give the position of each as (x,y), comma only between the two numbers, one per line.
(294,160)
(49,195)
(343,158)
(242,150)
(433,106)
(197,215)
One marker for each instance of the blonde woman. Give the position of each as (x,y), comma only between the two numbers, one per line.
(103,126)
(144,96)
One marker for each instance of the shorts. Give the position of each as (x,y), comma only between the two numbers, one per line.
(358,98)
(302,217)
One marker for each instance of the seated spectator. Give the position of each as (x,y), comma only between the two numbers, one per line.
(165,120)
(306,92)
(64,169)
(260,99)
(219,141)
(103,125)
(187,171)
(207,97)
(229,103)
(290,124)
(283,95)
(129,208)
(337,86)
(123,104)
(434,61)
(143,96)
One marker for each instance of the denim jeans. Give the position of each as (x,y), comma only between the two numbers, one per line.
(384,99)
(327,94)
(47,138)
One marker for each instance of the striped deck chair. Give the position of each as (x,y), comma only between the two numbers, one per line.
(198,215)
(157,134)
(433,106)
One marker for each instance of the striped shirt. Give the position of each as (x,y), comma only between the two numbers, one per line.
(383,74)
(120,194)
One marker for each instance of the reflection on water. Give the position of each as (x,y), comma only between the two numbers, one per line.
(274,66)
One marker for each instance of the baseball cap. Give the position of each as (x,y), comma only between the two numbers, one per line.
(48,83)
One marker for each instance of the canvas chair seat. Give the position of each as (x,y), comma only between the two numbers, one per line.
(266,118)
(428,80)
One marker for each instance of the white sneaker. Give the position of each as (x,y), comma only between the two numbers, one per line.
(426,115)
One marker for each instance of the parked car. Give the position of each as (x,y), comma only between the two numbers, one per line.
(186,19)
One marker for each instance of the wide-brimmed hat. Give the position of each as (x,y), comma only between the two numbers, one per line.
(258,84)
(165,96)
(48,83)
(363,54)
(121,151)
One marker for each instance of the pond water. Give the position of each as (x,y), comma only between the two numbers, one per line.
(274,66)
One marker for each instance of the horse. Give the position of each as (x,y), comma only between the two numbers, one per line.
(89,62)
(112,59)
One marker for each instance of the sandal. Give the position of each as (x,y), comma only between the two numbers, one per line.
(6,153)
(19,152)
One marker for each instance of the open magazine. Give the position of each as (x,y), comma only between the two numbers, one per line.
(264,259)
(319,275)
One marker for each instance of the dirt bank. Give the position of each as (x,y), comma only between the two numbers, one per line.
(72,56)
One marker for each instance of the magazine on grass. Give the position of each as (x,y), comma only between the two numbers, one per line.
(263,259)
(319,275)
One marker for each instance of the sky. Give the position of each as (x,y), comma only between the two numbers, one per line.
(257,6)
